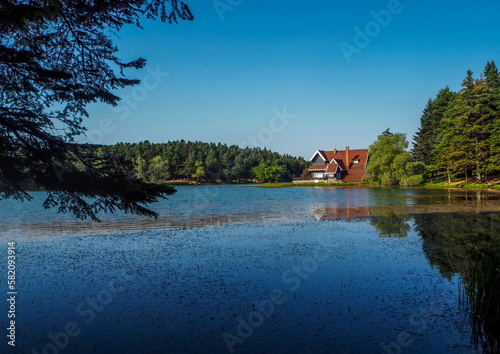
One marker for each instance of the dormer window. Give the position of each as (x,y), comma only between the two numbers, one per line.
(337,164)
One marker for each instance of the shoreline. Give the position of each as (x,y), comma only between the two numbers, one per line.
(495,187)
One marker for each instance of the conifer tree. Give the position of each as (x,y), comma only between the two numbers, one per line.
(454,151)
(492,79)
(54,60)
(459,133)
(425,141)
(467,130)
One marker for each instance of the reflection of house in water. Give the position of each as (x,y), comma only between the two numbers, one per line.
(341,213)
(389,225)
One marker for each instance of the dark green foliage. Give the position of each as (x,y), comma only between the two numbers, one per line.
(492,79)
(391,225)
(468,244)
(425,140)
(460,132)
(202,161)
(54,60)
(482,301)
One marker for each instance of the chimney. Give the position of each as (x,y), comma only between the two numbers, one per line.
(347,160)
(335,150)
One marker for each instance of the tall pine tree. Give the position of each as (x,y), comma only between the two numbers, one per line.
(492,81)
(465,140)
(426,139)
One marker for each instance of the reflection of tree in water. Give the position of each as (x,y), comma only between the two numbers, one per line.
(388,223)
(449,240)
(481,285)
(391,225)
(463,243)
(468,244)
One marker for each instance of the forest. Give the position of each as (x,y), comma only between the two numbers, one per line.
(459,134)
(458,138)
(204,162)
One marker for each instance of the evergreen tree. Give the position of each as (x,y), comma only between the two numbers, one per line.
(426,139)
(492,78)
(467,143)
(238,170)
(175,160)
(454,150)
(459,134)
(189,165)
(54,61)
(421,145)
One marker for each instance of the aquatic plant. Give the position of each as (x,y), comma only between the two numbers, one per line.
(480,297)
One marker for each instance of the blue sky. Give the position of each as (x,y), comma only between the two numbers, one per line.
(227,76)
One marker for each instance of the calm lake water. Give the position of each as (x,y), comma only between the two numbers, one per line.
(248,269)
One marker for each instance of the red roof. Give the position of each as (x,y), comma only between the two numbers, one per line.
(318,168)
(355,167)
(332,168)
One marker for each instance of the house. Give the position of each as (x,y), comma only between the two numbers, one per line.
(345,165)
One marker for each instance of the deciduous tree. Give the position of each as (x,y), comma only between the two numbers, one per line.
(390,163)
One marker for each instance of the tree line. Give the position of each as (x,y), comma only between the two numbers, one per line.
(459,136)
(459,133)
(208,162)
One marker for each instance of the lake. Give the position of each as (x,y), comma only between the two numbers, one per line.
(250,269)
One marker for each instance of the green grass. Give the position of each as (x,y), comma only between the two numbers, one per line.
(467,186)
(346,184)
(274,185)
(308,184)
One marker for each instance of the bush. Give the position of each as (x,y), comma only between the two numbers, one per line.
(367,179)
(415,180)
(266,173)
(388,179)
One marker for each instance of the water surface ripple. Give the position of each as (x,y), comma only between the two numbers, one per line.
(247,269)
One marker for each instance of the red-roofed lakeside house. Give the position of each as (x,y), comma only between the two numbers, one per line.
(345,165)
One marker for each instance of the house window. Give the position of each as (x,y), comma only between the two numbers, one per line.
(338,175)
(318,175)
